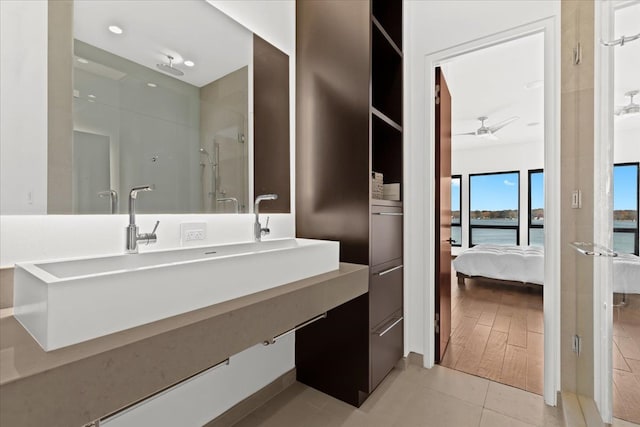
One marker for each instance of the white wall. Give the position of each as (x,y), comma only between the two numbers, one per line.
(626,145)
(432,26)
(23,107)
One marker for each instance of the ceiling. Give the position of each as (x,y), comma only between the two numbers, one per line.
(492,82)
(627,63)
(187,30)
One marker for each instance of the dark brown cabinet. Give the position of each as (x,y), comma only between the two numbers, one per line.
(348,125)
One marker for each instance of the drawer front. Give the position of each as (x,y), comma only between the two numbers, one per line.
(386,348)
(386,234)
(385,292)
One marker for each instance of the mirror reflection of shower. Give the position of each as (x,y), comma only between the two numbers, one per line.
(211,185)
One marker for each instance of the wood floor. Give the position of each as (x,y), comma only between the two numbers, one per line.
(626,360)
(497,333)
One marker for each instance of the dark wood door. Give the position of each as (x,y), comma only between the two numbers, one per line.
(443,216)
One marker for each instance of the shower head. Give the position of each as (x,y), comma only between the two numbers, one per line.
(168,68)
(203,151)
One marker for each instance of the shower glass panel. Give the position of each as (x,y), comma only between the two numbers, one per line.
(626,267)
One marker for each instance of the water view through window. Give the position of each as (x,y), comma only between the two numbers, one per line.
(536,208)
(625,208)
(493,212)
(456,202)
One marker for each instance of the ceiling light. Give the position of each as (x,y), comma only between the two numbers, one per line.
(92,96)
(189,63)
(115,29)
(534,84)
(152,84)
(82,61)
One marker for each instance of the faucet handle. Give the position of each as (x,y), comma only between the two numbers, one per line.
(155,227)
(264,231)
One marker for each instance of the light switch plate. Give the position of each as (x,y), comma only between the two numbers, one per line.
(192,232)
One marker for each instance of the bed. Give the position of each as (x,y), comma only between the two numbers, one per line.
(517,264)
(525,265)
(626,274)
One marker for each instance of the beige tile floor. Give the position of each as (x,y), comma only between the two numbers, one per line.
(412,397)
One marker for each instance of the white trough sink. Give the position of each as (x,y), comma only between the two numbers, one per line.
(66,302)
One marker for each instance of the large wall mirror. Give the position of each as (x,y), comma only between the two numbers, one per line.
(168,93)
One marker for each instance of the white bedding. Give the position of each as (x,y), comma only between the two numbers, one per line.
(526,264)
(626,274)
(515,263)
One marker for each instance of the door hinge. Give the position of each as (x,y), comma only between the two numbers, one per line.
(437,94)
(576,345)
(437,323)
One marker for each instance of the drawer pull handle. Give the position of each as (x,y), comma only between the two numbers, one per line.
(389,270)
(390,327)
(290,331)
(388,213)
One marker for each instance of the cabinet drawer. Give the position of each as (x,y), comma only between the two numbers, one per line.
(385,292)
(386,234)
(386,348)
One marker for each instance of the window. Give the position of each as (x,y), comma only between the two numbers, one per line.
(493,208)
(456,210)
(536,207)
(625,208)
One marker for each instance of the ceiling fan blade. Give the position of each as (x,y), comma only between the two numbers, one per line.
(502,124)
(461,134)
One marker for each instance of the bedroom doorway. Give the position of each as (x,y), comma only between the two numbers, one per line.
(490,211)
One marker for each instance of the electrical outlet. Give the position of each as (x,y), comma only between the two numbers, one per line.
(193,231)
(194,235)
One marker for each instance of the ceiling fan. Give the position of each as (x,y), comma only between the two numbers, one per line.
(631,109)
(489,131)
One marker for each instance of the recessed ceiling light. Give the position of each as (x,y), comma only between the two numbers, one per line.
(115,29)
(189,63)
(534,84)
(92,96)
(82,61)
(152,84)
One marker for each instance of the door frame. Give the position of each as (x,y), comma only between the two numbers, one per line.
(550,27)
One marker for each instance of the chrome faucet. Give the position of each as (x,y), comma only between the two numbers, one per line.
(236,204)
(113,197)
(133,237)
(258,230)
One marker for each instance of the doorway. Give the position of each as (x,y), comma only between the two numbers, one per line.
(495,169)
(551,155)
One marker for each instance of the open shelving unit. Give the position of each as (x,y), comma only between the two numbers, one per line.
(386,90)
(349,90)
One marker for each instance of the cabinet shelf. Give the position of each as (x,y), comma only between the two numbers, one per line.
(384,202)
(386,35)
(386,75)
(386,151)
(389,16)
(379,114)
